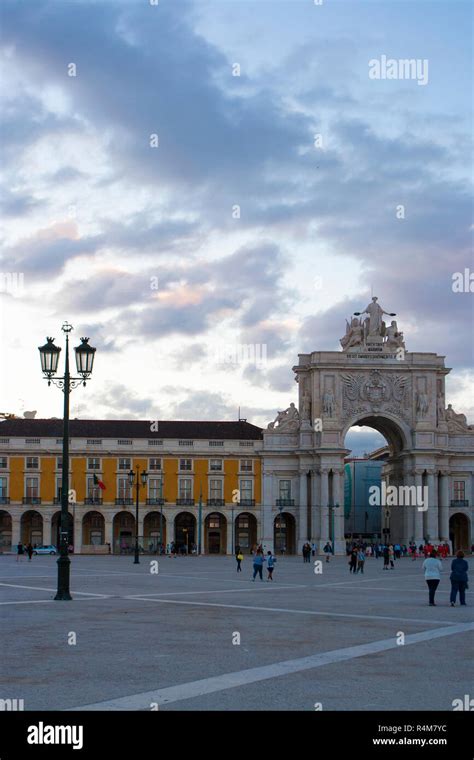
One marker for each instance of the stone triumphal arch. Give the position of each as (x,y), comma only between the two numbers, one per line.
(373,380)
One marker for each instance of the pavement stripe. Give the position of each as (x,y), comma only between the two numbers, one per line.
(214,684)
(359,616)
(218,591)
(38,588)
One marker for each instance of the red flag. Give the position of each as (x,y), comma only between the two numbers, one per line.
(98,482)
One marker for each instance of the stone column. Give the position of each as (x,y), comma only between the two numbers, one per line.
(266,526)
(444,508)
(324,526)
(230,528)
(16,531)
(303,512)
(418,520)
(47,530)
(315,509)
(109,531)
(432,512)
(170,534)
(141,521)
(78,534)
(338,498)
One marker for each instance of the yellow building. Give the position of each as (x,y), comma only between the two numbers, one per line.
(207,472)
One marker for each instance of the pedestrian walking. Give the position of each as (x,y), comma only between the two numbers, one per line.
(391,554)
(459,579)
(386,557)
(258,561)
(270,565)
(307,552)
(432,567)
(360,560)
(313,549)
(29,551)
(19,551)
(353,560)
(328,551)
(239,557)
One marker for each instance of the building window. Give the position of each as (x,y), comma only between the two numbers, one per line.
(214,521)
(215,465)
(94,442)
(32,441)
(155,443)
(59,463)
(216,443)
(216,489)
(186,464)
(185,488)
(93,463)
(154,488)
(459,488)
(93,490)
(245,489)
(32,487)
(245,443)
(3,487)
(4,441)
(3,463)
(285,489)
(32,463)
(124,442)
(124,463)
(154,464)
(123,488)
(185,443)
(59,488)
(246,465)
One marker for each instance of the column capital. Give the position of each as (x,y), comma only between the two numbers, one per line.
(417,471)
(445,473)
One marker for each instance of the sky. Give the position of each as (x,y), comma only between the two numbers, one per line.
(183,178)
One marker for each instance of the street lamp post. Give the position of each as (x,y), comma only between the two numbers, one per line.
(134,479)
(49,354)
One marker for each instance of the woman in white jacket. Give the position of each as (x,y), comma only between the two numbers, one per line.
(432,567)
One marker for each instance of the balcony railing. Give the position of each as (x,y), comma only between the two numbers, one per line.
(124,502)
(4,500)
(246,503)
(56,500)
(31,499)
(93,500)
(185,502)
(459,502)
(155,502)
(216,502)
(285,502)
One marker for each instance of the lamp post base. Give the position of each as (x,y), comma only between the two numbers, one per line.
(62,593)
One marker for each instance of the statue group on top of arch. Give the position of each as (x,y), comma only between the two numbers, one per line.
(287,421)
(372,332)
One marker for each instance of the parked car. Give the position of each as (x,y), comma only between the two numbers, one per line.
(50,549)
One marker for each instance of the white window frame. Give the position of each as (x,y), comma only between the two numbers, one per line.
(182,480)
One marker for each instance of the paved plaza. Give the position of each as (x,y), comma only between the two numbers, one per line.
(168,640)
